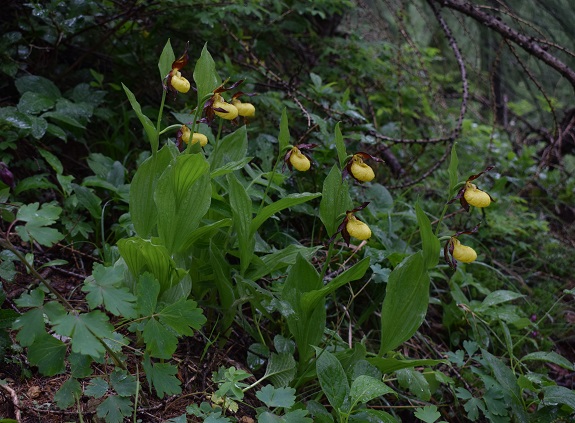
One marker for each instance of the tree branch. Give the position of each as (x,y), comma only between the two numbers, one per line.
(526,42)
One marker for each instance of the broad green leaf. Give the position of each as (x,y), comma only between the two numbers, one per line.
(453,173)
(283,203)
(149,127)
(332,379)
(498,297)
(508,383)
(550,357)
(39,127)
(279,259)
(232,148)
(67,394)
(414,381)
(162,377)
(114,409)
(87,331)
(372,416)
(33,103)
(559,395)
(183,196)
(241,205)
(405,303)
(284,135)
(142,206)
(48,354)
(88,200)
(230,167)
(65,118)
(307,329)
(145,256)
(148,289)
(431,246)
(39,85)
(335,201)
(205,75)
(340,146)
(365,388)
(104,286)
(276,397)
(390,365)
(206,231)
(223,281)
(166,59)
(281,369)
(313,299)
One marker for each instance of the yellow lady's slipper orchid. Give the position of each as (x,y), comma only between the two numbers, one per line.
(184,134)
(180,83)
(299,160)
(356,228)
(224,110)
(201,138)
(244,109)
(359,170)
(174,79)
(470,195)
(476,197)
(462,252)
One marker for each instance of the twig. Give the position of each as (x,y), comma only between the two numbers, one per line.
(15,401)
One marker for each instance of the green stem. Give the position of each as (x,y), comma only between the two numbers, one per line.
(169,128)
(270,180)
(327,260)
(160,113)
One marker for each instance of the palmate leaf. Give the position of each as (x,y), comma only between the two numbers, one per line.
(114,409)
(84,329)
(66,395)
(276,397)
(47,353)
(175,320)
(162,377)
(103,287)
(32,323)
